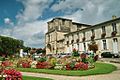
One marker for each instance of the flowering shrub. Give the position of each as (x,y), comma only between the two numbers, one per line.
(77,66)
(41,65)
(52,62)
(84,58)
(12,74)
(26,64)
(33,64)
(81,66)
(6,63)
(70,66)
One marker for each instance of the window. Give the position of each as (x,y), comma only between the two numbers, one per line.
(78,35)
(114,27)
(48,38)
(84,46)
(72,36)
(83,34)
(104,45)
(63,22)
(115,40)
(92,31)
(103,29)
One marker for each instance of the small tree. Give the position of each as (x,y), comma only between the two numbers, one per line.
(93,46)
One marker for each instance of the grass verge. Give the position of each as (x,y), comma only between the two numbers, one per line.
(100,68)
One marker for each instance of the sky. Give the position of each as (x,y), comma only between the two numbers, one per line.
(27,19)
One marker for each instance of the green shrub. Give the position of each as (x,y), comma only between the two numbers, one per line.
(43,59)
(75,53)
(2,59)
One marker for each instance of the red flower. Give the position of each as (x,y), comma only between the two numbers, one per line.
(83,55)
(12,74)
(81,66)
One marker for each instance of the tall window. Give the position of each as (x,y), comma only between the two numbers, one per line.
(83,34)
(48,38)
(84,46)
(63,21)
(93,32)
(114,27)
(78,35)
(103,29)
(104,45)
(115,40)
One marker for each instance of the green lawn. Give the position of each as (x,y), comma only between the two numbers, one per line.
(100,68)
(34,78)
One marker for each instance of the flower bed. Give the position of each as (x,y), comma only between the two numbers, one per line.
(12,74)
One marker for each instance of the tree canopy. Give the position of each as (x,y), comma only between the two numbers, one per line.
(9,46)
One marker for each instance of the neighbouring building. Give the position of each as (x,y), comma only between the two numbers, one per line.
(63,35)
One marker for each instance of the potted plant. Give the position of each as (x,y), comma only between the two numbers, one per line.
(113,34)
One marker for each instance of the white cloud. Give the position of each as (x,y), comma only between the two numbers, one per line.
(33,9)
(94,11)
(8,21)
(28,26)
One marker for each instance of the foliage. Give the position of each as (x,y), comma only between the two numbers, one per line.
(2,58)
(26,64)
(84,57)
(6,63)
(41,65)
(81,66)
(42,59)
(93,46)
(26,49)
(9,46)
(75,53)
(52,62)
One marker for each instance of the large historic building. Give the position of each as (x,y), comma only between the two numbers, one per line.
(63,35)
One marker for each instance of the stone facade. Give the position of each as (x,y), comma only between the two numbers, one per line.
(63,35)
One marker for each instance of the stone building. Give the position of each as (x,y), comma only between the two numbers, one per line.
(63,35)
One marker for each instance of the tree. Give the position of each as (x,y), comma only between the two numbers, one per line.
(93,46)
(9,46)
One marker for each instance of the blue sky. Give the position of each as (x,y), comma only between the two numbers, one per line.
(27,19)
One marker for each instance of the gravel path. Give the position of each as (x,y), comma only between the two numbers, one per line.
(112,76)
